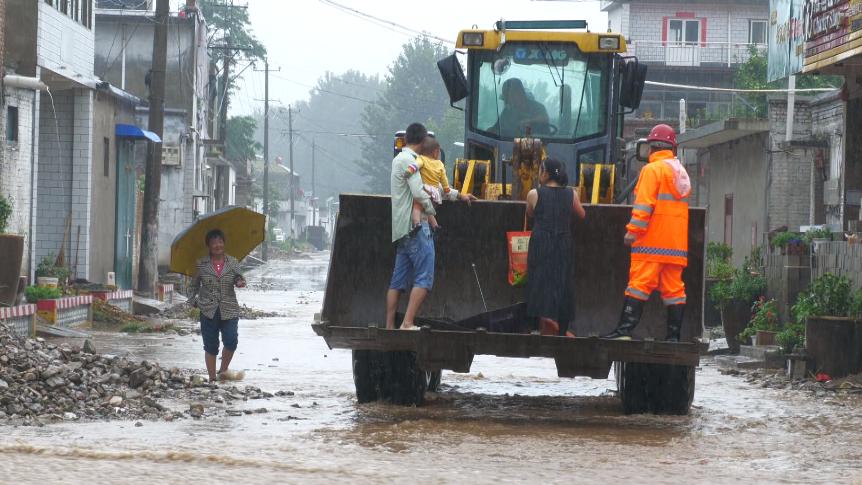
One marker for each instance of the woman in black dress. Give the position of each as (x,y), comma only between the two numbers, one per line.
(549,260)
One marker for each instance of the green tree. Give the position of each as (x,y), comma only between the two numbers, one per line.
(331,119)
(412,92)
(240,144)
(229,25)
(226,21)
(752,74)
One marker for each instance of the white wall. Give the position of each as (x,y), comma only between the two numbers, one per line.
(64,42)
(16,165)
(646,19)
(64,176)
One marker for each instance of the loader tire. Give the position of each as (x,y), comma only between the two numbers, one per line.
(655,388)
(367,375)
(404,382)
(632,384)
(675,386)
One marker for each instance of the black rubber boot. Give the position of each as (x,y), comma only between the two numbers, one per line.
(631,316)
(675,314)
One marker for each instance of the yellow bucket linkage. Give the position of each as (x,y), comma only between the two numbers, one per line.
(471,175)
(596,183)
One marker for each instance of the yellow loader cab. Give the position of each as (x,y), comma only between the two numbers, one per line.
(551,81)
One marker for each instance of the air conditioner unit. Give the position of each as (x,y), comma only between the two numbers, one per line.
(172,156)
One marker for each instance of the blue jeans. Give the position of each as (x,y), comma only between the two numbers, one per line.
(414,262)
(210,329)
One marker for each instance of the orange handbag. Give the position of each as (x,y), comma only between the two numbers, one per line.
(519,244)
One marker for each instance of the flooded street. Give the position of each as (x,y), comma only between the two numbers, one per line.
(506,421)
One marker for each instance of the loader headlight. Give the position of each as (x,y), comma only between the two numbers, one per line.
(473,39)
(609,43)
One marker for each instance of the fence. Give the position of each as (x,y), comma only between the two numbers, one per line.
(838,258)
(786,277)
(19,320)
(789,275)
(694,54)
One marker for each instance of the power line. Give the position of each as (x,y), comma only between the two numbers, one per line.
(735,90)
(381,103)
(385,23)
(337,133)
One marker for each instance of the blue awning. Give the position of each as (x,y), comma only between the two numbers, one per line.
(132,131)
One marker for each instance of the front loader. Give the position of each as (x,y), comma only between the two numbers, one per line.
(584,84)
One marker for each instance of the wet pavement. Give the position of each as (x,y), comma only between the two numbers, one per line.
(507,421)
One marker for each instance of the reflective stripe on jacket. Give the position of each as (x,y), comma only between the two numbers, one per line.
(660,212)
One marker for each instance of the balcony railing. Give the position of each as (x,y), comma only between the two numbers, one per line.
(685,54)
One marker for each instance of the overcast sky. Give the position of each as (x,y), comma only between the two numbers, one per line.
(306,38)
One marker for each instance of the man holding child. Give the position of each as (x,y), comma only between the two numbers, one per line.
(414,259)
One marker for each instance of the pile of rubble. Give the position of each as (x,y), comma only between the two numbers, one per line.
(109,315)
(41,382)
(184,311)
(777,379)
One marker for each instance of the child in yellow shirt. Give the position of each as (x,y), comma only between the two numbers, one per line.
(434,178)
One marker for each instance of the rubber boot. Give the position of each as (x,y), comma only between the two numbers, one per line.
(631,316)
(675,314)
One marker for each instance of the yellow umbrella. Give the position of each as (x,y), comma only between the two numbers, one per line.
(243,230)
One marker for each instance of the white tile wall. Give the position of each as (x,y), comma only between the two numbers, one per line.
(64,176)
(646,19)
(64,42)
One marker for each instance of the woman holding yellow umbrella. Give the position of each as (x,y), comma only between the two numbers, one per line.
(212,291)
(230,234)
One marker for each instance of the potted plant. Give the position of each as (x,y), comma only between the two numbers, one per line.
(833,333)
(734,298)
(53,274)
(792,338)
(11,254)
(817,236)
(789,243)
(718,268)
(36,293)
(764,323)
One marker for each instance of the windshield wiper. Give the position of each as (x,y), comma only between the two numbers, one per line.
(549,61)
(583,91)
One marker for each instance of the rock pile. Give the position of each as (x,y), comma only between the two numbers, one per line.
(184,311)
(42,382)
(776,379)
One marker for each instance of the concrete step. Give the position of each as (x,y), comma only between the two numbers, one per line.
(770,354)
(738,362)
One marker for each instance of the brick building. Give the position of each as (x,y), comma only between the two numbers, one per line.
(189,176)
(689,42)
(753,181)
(49,53)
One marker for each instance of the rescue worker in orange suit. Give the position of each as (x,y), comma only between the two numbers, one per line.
(658,236)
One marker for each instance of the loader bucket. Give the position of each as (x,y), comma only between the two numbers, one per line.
(363,256)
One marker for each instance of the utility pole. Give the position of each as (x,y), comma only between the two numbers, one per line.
(313,191)
(292,174)
(148,270)
(222,120)
(266,70)
(266,158)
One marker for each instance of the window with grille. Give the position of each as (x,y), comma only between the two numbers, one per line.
(757,32)
(683,32)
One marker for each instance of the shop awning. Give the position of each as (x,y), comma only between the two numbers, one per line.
(721,132)
(132,131)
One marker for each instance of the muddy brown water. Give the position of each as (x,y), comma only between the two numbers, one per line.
(507,421)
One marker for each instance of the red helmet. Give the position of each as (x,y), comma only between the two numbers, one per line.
(664,134)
